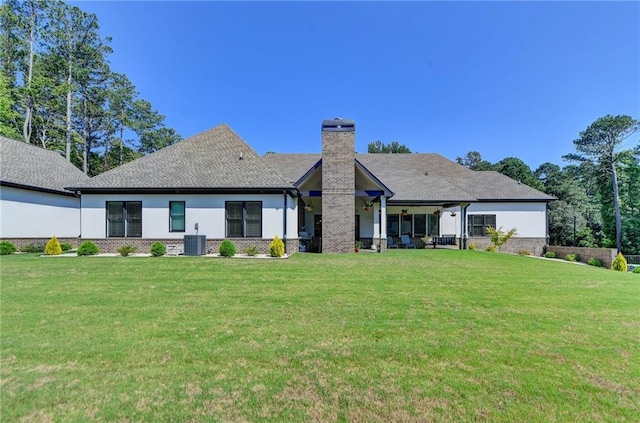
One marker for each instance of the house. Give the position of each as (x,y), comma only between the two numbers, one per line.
(322,202)
(34,205)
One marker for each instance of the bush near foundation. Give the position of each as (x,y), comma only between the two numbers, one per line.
(276,247)
(125,250)
(66,246)
(227,248)
(158,249)
(6,248)
(550,254)
(88,248)
(53,247)
(252,251)
(33,248)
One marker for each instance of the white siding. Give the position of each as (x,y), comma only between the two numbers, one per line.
(208,210)
(451,224)
(530,219)
(292,218)
(33,214)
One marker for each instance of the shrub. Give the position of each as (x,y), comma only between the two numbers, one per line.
(499,237)
(227,249)
(276,248)
(252,251)
(158,249)
(125,250)
(88,248)
(7,247)
(571,257)
(524,253)
(473,247)
(636,270)
(66,246)
(53,247)
(550,254)
(33,248)
(491,248)
(620,263)
(594,262)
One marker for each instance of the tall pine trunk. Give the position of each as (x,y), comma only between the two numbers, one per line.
(616,205)
(85,136)
(68,123)
(28,115)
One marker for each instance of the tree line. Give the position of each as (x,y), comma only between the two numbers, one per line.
(57,89)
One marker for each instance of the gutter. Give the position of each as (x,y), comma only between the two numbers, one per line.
(68,193)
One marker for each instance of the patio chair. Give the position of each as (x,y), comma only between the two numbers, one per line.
(407,241)
(391,243)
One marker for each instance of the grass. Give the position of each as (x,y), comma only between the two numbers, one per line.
(418,335)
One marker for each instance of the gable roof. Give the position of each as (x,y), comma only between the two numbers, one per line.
(216,159)
(423,178)
(32,167)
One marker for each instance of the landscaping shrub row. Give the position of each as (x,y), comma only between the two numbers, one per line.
(620,263)
(89,248)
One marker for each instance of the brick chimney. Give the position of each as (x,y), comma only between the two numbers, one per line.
(338,185)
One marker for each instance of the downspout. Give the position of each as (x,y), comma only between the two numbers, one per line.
(546,229)
(80,212)
(284,220)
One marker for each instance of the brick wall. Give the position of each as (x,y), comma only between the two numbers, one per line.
(338,191)
(535,246)
(605,255)
(111,245)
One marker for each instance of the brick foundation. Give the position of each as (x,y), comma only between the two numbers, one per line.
(111,245)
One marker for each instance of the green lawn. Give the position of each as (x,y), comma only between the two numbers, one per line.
(417,335)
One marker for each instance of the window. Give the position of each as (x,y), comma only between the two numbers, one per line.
(176,216)
(393,225)
(419,225)
(244,219)
(434,228)
(124,219)
(477,223)
(405,225)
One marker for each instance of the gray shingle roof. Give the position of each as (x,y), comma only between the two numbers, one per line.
(210,159)
(423,177)
(33,167)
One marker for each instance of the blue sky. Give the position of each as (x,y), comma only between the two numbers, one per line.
(503,78)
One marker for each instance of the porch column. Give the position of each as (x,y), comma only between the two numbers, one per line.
(464,236)
(383,223)
(376,224)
